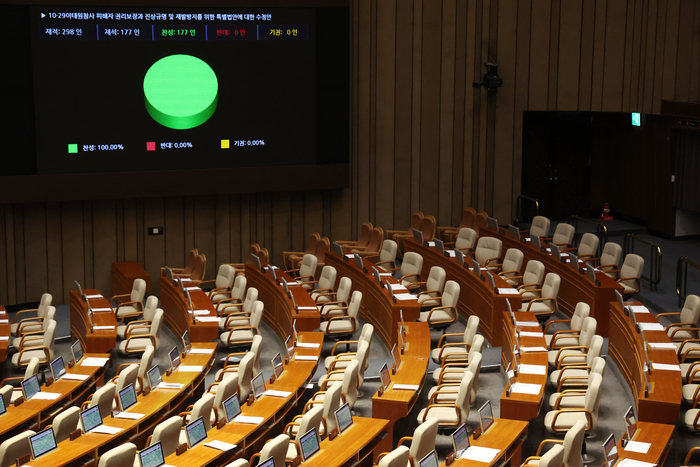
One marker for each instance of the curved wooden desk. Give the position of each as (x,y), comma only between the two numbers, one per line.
(663,401)
(176,309)
(575,287)
(157,406)
(476,297)
(279,313)
(377,307)
(37,414)
(505,435)
(520,406)
(5,331)
(81,323)
(395,404)
(658,435)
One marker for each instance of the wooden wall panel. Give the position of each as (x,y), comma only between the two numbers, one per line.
(421,138)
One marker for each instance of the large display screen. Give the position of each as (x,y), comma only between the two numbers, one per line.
(100,90)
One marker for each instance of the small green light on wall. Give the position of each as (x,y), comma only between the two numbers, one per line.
(636,119)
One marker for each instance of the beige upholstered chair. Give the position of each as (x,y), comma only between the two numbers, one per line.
(691,419)
(237,314)
(545,305)
(539,227)
(103,397)
(465,240)
(331,402)
(349,392)
(223,284)
(232,362)
(145,365)
(488,250)
(386,259)
(43,351)
(343,325)
(563,235)
(609,259)
(65,423)
(129,375)
(587,247)
(327,302)
(301,424)
(30,324)
(411,269)
(237,336)
(202,408)
(453,369)
(441,353)
(451,414)
(325,284)
(130,303)
(552,458)
(275,448)
(245,376)
(423,440)
(138,319)
(432,287)
(689,317)
(344,358)
(167,433)
(28,338)
(575,354)
(444,313)
(574,381)
(399,457)
(120,456)
(137,343)
(563,420)
(12,448)
(338,367)
(306,271)
(12,386)
(447,391)
(448,234)
(509,270)
(225,389)
(630,275)
(531,280)
(568,337)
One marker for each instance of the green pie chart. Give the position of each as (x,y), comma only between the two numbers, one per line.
(180,91)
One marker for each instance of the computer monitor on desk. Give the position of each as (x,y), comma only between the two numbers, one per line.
(42,443)
(485,417)
(152,456)
(77,351)
(58,368)
(430,460)
(630,423)
(310,444)
(91,418)
(30,387)
(460,440)
(127,397)
(610,448)
(174,356)
(337,249)
(460,256)
(343,416)
(80,290)
(492,223)
(256,262)
(232,406)
(418,236)
(514,231)
(196,432)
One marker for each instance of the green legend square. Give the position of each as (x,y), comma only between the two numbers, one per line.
(72,149)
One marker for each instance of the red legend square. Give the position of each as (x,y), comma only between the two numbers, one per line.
(151,146)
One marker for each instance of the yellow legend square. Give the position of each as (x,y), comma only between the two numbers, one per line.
(225,144)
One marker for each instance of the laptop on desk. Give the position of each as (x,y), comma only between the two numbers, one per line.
(152,456)
(460,440)
(343,416)
(418,236)
(30,387)
(77,351)
(58,368)
(232,407)
(310,444)
(127,397)
(429,460)
(196,432)
(42,443)
(610,448)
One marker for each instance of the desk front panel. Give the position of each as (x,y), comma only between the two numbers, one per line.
(102,341)
(176,309)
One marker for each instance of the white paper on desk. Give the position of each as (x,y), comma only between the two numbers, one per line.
(387,274)
(636,446)
(207,319)
(308,345)
(408,387)
(639,309)
(480,454)
(273,393)
(451,253)
(662,345)
(405,296)
(292,283)
(94,296)
(4,321)
(397,287)
(4,338)
(75,376)
(201,351)
(191,368)
(106,430)
(102,328)
(192,288)
(651,327)
(528,239)
(101,309)
(130,415)
(532,369)
(508,291)
(220,445)
(200,312)
(533,349)
(663,366)
(531,334)
(563,254)
(164,385)
(633,463)
(349,256)
(94,361)
(246,419)
(527,388)
(309,358)
(431,243)
(47,396)
(527,324)
(307,308)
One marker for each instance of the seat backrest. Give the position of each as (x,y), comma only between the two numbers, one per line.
(424,438)
(355,303)
(612,252)
(540,227)
(573,442)
(127,376)
(200,268)
(389,250)
(598,366)
(189,265)
(322,247)
(311,419)
(146,364)
(50,314)
(245,376)
(582,311)
(203,408)
(399,457)
(344,289)
(313,240)
(365,230)
(225,276)
(436,279)
(168,434)
(563,234)
(350,382)
(277,449)
(513,260)
(552,458)
(477,345)
(416,221)
(227,387)
(466,238)
(412,263)
(594,349)
(104,397)
(588,245)
(256,314)
(138,290)
(428,228)
(308,265)
(251,295)
(156,326)
(256,348)
(65,423)
(15,447)
(120,456)
(592,398)
(362,356)
(44,304)
(471,329)
(632,267)
(534,272)
(475,368)
(366,335)
(239,285)
(588,331)
(331,403)
(328,277)
(450,295)
(487,248)
(480,221)
(49,336)
(32,367)
(691,310)
(468,216)
(550,288)
(464,394)
(149,310)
